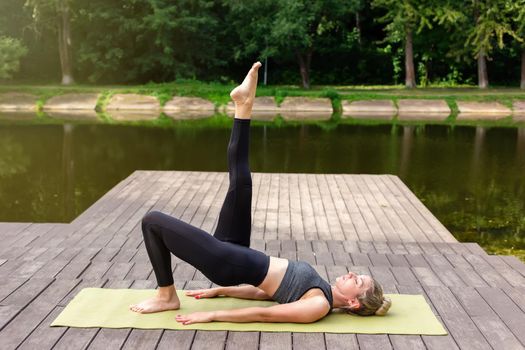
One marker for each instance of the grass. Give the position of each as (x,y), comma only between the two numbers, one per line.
(219,93)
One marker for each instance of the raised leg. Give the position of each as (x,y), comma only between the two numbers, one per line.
(235,220)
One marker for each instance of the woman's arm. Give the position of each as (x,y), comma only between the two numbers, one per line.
(302,311)
(243,292)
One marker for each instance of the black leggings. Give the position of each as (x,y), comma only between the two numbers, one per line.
(224,258)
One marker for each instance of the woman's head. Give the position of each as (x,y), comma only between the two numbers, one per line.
(364,295)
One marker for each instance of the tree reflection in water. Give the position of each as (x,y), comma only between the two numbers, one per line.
(471,178)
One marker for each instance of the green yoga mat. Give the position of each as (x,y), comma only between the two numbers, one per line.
(108,308)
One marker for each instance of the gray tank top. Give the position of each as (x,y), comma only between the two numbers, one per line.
(299,278)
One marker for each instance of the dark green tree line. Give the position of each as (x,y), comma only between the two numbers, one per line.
(306,42)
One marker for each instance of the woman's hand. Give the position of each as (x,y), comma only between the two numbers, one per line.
(196,317)
(203,293)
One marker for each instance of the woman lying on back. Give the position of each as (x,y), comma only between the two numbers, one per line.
(226,259)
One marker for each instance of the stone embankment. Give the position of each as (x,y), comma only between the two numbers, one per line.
(143,107)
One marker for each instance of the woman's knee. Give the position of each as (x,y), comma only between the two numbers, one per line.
(152,217)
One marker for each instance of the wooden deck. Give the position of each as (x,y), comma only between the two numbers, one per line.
(366,223)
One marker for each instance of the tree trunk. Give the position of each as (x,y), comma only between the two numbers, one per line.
(410,75)
(64,43)
(304,67)
(358,27)
(483,77)
(522,83)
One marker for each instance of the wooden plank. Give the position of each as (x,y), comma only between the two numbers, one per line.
(44,336)
(366,247)
(29,318)
(392,226)
(417,260)
(397,260)
(404,276)
(459,324)
(8,313)
(402,219)
(517,295)
(472,302)
(242,340)
(347,227)
(403,342)
(27,292)
(497,334)
(491,276)
(183,340)
(506,309)
(73,270)
(307,209)
(514,278)
(127,217)
(207,201)
(438,227)
(386,278)
(474,248)
(330,217)
(271,341)
(314,341)
(378,259)
(78,232)
(367,213)
(284,218)
(209,340)
(296,214)
(515,263)
(9,285)
(143,339)
(470,277)
(341,341)
(259,215)
(361,230)
(373,341)
(413,217)
(382,247)
(272,208)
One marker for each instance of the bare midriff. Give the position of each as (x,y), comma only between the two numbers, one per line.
(275,275)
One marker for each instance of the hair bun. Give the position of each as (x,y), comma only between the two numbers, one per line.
(383,309)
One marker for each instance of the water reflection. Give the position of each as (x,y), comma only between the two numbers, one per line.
(470,178)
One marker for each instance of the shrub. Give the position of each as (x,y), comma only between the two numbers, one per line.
(11,51)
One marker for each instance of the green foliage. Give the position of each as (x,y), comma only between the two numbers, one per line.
(347,41)
(11,51)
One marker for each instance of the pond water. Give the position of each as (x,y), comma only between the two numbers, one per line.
(471,178)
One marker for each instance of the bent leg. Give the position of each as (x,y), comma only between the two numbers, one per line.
(235,219)
(223,263)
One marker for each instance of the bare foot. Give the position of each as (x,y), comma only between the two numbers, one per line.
(156,304)
(244,94)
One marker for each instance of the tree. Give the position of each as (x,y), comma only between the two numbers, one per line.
(517,11)
(479,29)
(147,40)
(289,28)
(404,17)
(11,50)
(56,16)
(300,26)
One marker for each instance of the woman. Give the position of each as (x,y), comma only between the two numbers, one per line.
(226,259)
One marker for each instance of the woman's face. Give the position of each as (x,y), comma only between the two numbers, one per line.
(352,285)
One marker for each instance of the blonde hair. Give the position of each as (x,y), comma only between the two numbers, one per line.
(373,302)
